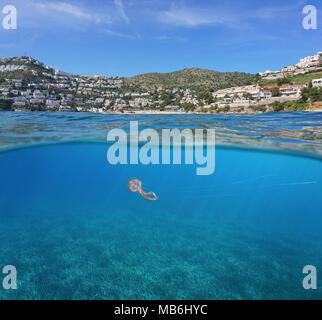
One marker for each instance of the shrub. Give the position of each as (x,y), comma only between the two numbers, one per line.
(258,108)
(282,81)
(188,107)
(276,92)
(313,94)
(5,105)
(277,106)
(225,109)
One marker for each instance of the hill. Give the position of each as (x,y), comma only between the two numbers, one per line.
(197,80)
(194,79)
(24,68)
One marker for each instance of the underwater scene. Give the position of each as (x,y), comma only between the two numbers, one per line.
(77,227)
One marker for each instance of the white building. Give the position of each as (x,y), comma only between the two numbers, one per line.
(19,104)
(291,90)
(253,90)
(52,103)
(268,72)
(317,83)
(315,58)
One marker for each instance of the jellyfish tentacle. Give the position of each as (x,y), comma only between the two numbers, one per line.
(148,195)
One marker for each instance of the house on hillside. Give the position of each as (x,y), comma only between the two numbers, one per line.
(291,90)
(317,83)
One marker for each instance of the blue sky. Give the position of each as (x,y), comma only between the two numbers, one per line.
(129,37)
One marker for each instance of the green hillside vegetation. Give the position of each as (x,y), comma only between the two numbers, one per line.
(311,94)
(26,74)
(198,80)
(307,78)
(12,62)
(308,95)
(298,105)
(299,79)
(5,105)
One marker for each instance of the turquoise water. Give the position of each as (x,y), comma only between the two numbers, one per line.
(74,231)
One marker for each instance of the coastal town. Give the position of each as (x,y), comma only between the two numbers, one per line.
(39,87)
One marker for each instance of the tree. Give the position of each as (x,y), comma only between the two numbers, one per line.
(213,108)
(277,106)
(206,96)
(276,92)
(313,94)
(188,106)
(282,81)
(247,96)
(225,109)
(5,105)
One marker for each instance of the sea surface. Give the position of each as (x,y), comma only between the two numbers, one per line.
(73,230)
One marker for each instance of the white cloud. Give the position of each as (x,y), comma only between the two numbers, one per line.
(189,17)
(121,11)
(169,38)
(60,14)
(64,8)
(121,34)
(219,15)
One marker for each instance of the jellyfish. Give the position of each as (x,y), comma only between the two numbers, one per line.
(135,185)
